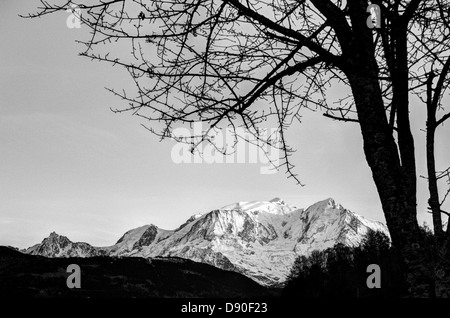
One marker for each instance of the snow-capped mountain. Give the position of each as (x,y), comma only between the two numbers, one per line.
(259,239)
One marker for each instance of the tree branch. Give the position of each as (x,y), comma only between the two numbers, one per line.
(341,118)
(284,31)
(410,10)
(444,118)
(336,18)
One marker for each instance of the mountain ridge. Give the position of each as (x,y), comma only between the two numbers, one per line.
(259,239)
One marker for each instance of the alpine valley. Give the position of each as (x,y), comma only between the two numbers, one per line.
(258,239)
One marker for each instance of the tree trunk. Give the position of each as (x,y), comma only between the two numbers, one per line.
(433,201)
(442,254)
(393,169)
(399,208)
(431,163)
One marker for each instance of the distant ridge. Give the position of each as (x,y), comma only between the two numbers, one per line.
(259,239)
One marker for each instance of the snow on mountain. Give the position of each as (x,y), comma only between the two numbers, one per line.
(136,239)
(326,223)
(259,239)
(274,206)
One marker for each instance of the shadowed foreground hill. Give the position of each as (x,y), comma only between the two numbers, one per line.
(24,275)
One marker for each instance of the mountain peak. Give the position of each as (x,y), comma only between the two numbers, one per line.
(56,245)
(331,203)
(327,203)
(55,238)
(278,200)
(334,205)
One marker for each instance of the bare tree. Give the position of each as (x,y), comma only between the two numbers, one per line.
(231,63)
(434,95)
(432,39)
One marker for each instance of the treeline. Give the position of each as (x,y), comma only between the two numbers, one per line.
(341,271)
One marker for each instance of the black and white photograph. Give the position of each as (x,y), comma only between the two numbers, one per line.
(225,155)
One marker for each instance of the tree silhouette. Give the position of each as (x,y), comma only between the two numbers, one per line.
(253,63)
(342,272)
(433,102)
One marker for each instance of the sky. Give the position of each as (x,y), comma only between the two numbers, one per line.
(70,165)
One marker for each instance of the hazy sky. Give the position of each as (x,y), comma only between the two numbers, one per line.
(68,164)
